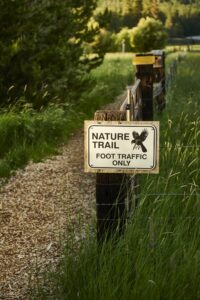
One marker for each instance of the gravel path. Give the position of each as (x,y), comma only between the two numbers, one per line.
(37,206)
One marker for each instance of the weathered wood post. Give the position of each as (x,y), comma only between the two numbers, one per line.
(111,192)
(159,79)
(144,72)
(113,184)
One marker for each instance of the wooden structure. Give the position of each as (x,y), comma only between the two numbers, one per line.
(159,80)
(144,71)
(112,199)
(110,192)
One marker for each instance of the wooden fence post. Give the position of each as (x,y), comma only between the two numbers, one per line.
(111,189)
(111,192)
(159,80)
(111,205)
(144,72)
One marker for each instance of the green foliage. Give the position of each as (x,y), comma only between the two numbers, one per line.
(110,80)
(104,41)
(158,257)
(181,18)
(27,134)
(148,35)
(151,8)
(40,50)
(124,36)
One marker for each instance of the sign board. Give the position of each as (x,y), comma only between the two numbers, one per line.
(121,147)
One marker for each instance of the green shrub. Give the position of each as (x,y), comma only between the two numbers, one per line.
(40,51)
(29,134)
(124,36)
(148,35)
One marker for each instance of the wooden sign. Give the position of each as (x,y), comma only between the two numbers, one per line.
(121,147)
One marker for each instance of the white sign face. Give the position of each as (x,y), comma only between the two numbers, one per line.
(126,147)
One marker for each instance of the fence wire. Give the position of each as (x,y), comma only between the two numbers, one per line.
(158,89)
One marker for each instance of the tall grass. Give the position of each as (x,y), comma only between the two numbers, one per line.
(110,79)
(28,135)
(159,255)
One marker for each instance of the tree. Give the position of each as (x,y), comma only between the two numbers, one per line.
(151,8)
(123,37)
(181,17)
(148,35)
(138,8)
(132,12)
(41,49)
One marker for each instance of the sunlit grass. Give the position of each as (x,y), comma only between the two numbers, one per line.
(159,255)
(122,55)
(28,135)
(110,79)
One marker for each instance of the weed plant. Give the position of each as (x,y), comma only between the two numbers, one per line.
(158,257)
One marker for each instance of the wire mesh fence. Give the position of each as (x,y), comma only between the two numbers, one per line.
(135,190)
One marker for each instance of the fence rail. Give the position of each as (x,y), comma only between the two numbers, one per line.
(117,195)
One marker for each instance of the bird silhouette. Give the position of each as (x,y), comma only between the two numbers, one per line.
(139,139)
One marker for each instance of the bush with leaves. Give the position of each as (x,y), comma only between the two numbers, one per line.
(40,50)
(123,37)
(148,35)
(104,40)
